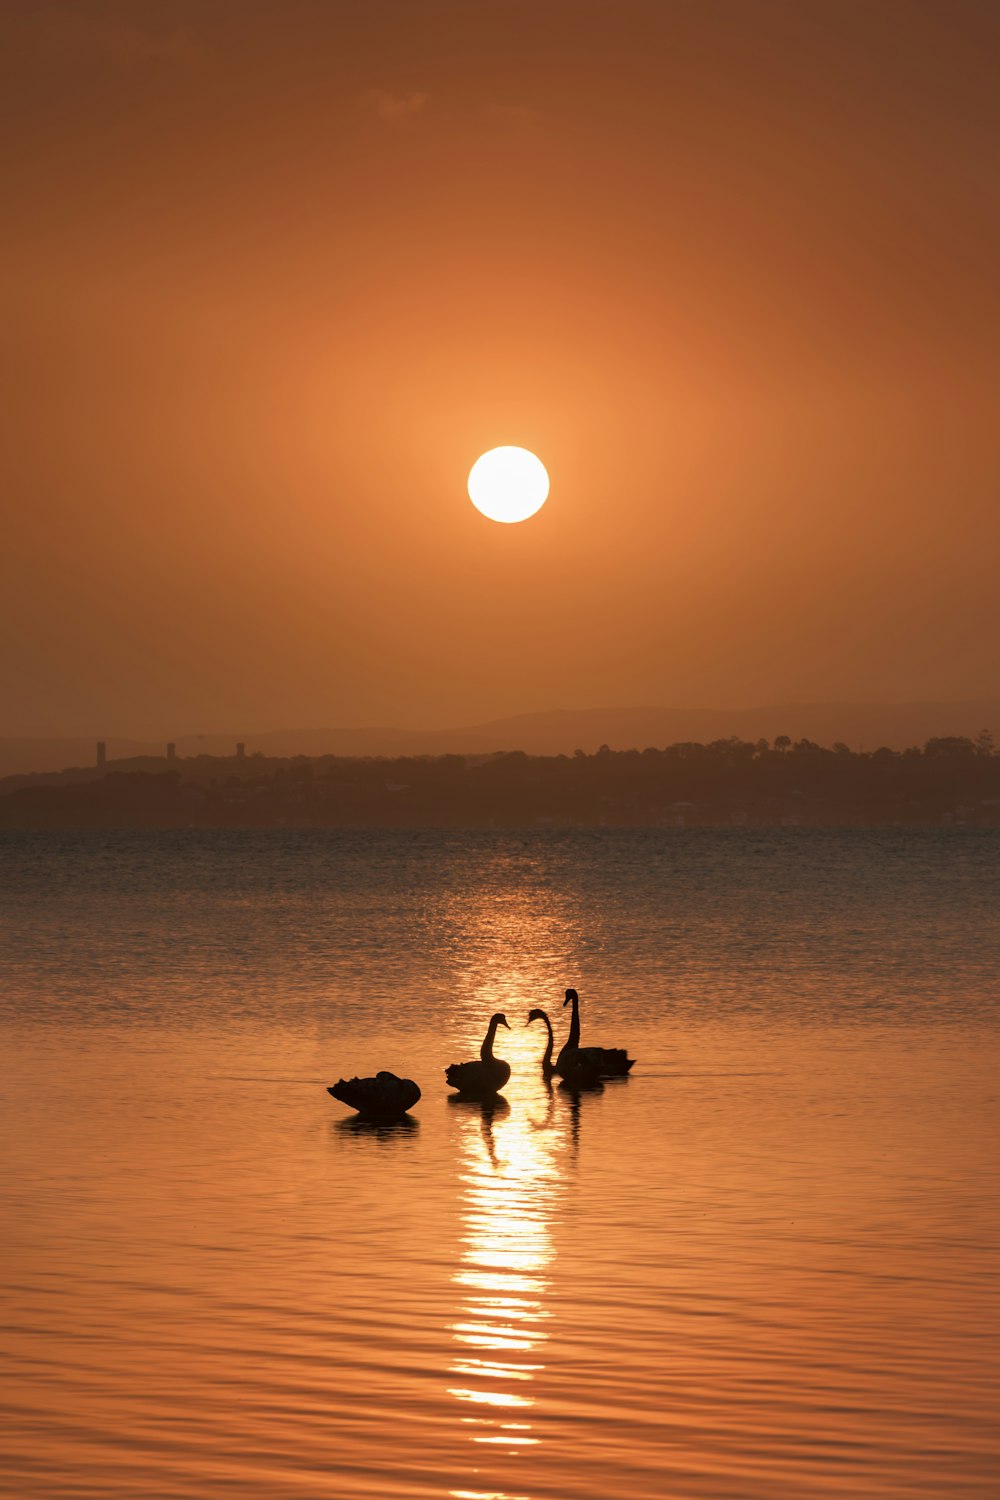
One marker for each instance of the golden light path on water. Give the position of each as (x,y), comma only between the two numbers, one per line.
(509,1185)
(510,1190)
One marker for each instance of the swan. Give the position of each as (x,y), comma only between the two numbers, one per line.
(606,1062)
(548,1066)
(574,1067)
(384,1098)
(483,1079)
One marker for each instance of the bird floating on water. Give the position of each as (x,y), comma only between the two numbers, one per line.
(604,1062)
(383,1099)
(573,1068)
(485,1078)
(548,1066)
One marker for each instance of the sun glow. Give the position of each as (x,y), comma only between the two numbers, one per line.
(508,484)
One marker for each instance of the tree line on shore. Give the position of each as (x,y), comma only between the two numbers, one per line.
(726,782)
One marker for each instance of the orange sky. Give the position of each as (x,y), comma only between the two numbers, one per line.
(274,274)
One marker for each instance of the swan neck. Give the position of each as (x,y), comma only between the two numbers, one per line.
(486,1050)
(547,1059)
(573,1039)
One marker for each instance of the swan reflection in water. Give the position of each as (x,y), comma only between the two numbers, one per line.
(355,1126)
(513,1160)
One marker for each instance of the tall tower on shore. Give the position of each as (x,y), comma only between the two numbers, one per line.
(171,750)
(102,754)
(241,749)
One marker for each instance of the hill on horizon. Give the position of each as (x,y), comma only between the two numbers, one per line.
(554,732)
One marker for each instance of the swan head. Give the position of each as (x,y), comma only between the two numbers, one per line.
(535,1015)
(571,995)
(499,1019)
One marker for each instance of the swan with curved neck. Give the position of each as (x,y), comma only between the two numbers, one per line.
(572,1066)
(603,1062)
(485,1078)
(548,1066)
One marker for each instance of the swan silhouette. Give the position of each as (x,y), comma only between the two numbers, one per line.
(603,1062)
(382,1099)
(574,1067)
(485,1078)
(548,1066)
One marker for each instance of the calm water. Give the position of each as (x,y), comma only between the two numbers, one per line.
(763,1266)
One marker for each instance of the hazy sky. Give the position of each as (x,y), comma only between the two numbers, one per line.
(275,272)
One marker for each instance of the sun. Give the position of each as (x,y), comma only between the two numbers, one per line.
(508,484)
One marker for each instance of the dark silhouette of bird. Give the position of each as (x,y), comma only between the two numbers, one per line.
(382,1099)
(548,1066)
(604,1062)
(574,1067)
(482,1079)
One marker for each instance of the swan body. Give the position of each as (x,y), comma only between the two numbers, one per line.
(383,1098)
(601,1062)
(485,1078)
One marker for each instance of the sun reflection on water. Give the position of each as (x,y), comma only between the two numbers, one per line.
(484,1495)
(510,1190)
(509,1173)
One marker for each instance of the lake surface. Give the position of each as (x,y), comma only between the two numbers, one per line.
(762,1266)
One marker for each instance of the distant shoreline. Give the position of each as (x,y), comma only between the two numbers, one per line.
(863,726)
(949,781)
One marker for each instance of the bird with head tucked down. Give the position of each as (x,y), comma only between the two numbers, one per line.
(381,1099)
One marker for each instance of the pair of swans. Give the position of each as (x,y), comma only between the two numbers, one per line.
(576,1065)
(385,1099)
